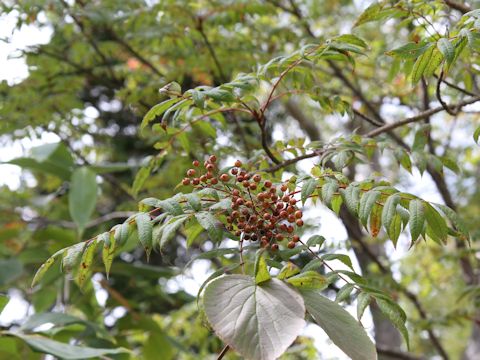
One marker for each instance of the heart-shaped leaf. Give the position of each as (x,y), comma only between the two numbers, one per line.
(259,321)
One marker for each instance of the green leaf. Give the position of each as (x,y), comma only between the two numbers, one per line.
(194,201)
(82,196)
(44,267)
(108,252)
(409,51)
(395,314)
(328,189)
(72,255)
(11,269)
(157,110)
(308,188)
(351,39)
(261,270)
(86,263)
(288,270)
(377,12)
(308,280)
(352,196)
(456,220)
(363,300)
(62,350)
(421,64)
(3,302)
(417,218)
(169,230)
(340,257)
(435,61)
(211,224)
(344,292)
(366,205)
(258,321)
(447,50)
(340,326)
(315,240)
(476,134)
(394,229)
(144,228)
(121,233)
(140,178)
(390,210)
(171,206)
(220,95)
(437,228)
(57,319)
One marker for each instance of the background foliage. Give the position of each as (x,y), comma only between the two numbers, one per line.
(369,93)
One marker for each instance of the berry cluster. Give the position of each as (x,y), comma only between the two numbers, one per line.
(260,210)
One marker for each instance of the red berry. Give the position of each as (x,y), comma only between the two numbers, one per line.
(224,177)
(299,222)
(274,247)
(279,237)
(238,163)
(240,178)
(290,229)
(235,192)
(283,214)
(210,167)
(196,163)
(214,181)
(290,209)
(284,188)
(257,178)
(212,158)
(296,238)
(235,214)
(286,198)
(291,218)
(298,214)
(234,171)
(291,245)
(196,181)
(267,184)
(209,175)
(253,186)
(186,181)
(267,216)
(245,184)
(238,233)
(249,204)
(191,172)
(239,201)
(203,178)
(292,201)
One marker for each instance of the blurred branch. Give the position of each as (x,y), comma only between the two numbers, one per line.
(463,8)
(398,354)
(98,221)
(419,117)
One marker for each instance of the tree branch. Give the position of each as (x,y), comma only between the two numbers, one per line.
(419,117)
(398,354)
(463,8)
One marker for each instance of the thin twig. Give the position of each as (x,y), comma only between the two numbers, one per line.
(223,352)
